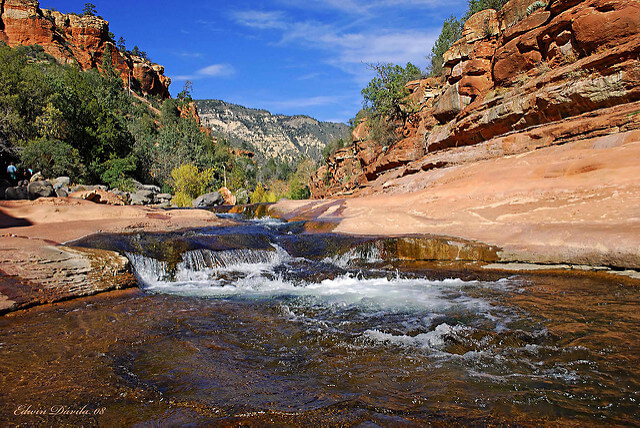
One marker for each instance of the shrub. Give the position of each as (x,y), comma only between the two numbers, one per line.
(52,157)
(299,190)
(535,6)
(117,172)
(189,183)
(385,94)
(261,195)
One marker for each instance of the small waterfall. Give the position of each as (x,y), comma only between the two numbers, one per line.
(204,264)
(198,260)
(366,253)
(149,270)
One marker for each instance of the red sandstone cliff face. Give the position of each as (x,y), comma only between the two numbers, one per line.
(76,39)
(513,83)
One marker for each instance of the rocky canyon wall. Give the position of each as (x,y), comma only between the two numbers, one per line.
(77,39)
(529,76)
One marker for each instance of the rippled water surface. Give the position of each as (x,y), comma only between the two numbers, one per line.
(261,324)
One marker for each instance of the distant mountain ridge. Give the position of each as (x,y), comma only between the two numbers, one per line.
(269,135)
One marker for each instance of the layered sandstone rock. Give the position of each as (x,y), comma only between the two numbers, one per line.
(75,39)
(519,79)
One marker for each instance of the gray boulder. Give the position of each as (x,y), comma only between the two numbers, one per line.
(142,197)
(139,186)
(36,177)
(85,187)
(40,189)
(4,185)
(62,192)
(163,198)
(208,200)
(16,193)
(61,182)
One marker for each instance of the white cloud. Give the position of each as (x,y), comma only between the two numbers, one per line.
(185,54)
(260,19)
(214,70)
(347,50)
(364,6)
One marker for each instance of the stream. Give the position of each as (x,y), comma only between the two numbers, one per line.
(264,324)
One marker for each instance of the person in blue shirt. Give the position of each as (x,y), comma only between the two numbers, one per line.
(11,171)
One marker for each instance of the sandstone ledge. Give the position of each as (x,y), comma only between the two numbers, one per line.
(573,204)
(36,267)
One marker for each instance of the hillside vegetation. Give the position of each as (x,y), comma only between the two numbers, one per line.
(270,136)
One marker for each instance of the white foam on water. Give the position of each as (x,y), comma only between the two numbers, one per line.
(267,221)
(435,339)
(367,254)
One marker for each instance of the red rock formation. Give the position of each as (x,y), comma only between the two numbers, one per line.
(512,83)
(76,39)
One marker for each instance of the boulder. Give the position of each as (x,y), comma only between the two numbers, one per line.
(40,189)
(472,86)
(509,62)
(86,187)
(512,13)
(36,177)
(529,23)
(229,198)
(62,192)
(476,67)
(142,197)
(4,185)
(208,200)
(242,197)
(450,104)
(151,187)
(61,182)
(98,196)
(361,132)
(16,193)
(162,198)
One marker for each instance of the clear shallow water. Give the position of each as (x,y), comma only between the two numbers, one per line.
(259,324)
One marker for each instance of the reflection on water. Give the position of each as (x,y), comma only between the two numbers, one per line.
(269,335)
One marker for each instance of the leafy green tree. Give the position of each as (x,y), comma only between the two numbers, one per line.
(52,157)
(140,53)
(89,9)
(451,32)
(385,94)
(117,172)
(121,44)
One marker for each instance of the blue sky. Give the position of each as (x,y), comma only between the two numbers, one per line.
(286,56)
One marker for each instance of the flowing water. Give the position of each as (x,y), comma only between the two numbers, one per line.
(262,324)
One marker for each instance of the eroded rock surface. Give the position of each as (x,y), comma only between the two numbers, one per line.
(515,81)
(77,39)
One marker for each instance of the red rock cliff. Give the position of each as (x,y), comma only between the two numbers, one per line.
(76,39)
(516,81)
